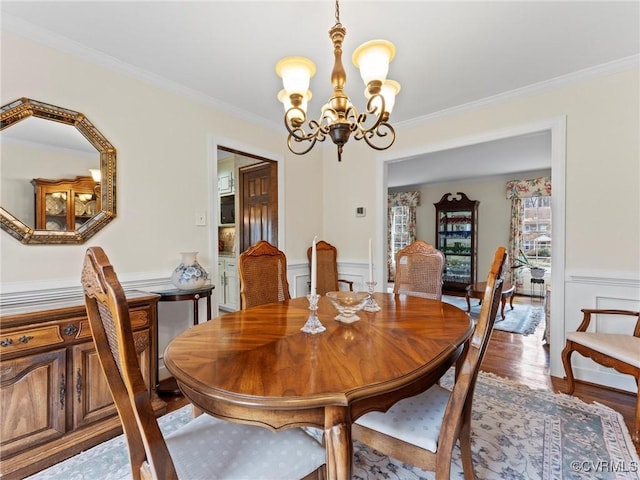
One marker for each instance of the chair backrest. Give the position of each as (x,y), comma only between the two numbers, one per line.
(458,409)
(419,271)
(326,267)
(263,275)
(110,325)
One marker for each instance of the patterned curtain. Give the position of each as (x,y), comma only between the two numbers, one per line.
(402,199)
(516,191)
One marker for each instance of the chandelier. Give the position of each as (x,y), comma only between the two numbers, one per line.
(338,117)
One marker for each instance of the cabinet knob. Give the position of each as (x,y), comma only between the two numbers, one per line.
(70,330)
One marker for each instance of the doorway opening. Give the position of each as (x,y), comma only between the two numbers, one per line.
(244,199)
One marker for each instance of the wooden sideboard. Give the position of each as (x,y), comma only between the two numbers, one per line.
(54,399)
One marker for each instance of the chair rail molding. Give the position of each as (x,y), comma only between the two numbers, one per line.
(622,279)
(32,293)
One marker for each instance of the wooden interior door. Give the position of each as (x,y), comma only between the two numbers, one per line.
(259,204)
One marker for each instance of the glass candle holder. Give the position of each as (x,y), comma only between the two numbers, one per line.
(371,305)
(313,324)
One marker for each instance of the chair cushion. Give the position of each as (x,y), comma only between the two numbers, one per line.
(622,347)
(208,448)
(414,420)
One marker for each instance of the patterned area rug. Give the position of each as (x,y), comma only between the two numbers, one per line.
(518,433)
(523,319)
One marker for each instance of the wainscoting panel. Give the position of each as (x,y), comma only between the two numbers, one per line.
(299,276)
(602,291)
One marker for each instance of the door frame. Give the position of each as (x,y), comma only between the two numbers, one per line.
(213,142)
(557,126)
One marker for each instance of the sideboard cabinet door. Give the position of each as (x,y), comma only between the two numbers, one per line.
(32,400)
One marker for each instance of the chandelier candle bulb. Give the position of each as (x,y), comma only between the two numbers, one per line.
(314,273)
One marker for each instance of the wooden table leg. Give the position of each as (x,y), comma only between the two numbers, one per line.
(338,443)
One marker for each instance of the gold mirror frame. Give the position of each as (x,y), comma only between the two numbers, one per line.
(23,108)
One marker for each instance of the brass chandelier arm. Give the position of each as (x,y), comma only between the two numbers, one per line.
(380,135)
(383,130)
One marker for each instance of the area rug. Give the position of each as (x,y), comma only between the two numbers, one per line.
(523,319)
(517,433)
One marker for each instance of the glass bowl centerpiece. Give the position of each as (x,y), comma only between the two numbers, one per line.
(347,304)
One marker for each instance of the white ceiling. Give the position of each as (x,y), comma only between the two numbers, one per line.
(449,53)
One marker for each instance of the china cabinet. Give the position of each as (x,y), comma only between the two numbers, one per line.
(65,204)
(54,399)
(457,239)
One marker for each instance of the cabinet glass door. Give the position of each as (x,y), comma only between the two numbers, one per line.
(55,210)
(455,236)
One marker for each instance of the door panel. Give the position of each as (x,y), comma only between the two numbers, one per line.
(259,204)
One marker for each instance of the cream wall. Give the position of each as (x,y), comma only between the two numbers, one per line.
(163,143)
(602,160)
(165,172)
(599,168)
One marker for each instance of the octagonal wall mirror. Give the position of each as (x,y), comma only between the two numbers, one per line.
(57,174)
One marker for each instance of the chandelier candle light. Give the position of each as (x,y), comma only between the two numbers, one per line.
(313,324)
(371,305)
(338,117)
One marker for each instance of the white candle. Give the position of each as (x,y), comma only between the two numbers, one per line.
(314,273)
(370,262)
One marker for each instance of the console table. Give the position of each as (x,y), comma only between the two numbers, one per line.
(176,295)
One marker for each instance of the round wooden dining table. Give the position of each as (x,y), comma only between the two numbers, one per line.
(255,366)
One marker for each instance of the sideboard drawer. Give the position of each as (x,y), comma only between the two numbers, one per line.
(23,339)
(140,318)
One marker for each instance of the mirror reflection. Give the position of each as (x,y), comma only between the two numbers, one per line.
(57,182)
(36,151)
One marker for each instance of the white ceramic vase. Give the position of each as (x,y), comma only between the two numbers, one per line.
(189,274)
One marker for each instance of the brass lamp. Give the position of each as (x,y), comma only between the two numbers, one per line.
(339,118)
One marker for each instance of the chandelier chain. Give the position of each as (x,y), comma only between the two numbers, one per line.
(337,12)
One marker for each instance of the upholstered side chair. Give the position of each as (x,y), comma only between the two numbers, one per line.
(206,447)
(263,275)
(419,270)
(327,269)
(614,350)
(423,430)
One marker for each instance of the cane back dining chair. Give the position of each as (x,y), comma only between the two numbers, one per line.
(423,430)
(204,448)
(263,275)
(419,270)
(327,268)
(615,350)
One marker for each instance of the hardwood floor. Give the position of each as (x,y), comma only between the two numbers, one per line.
(525,359)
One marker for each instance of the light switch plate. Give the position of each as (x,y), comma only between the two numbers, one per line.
(201,219)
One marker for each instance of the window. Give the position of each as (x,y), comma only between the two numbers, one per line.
(536,228)
(399,230)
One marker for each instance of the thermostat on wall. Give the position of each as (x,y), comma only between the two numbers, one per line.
(361,212)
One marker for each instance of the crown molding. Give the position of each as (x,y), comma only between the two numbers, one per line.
(615,66)
(66,45)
